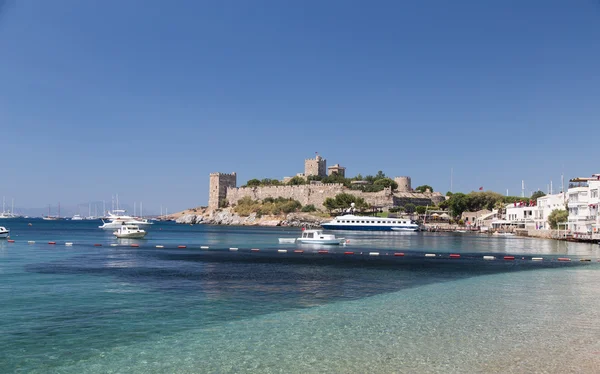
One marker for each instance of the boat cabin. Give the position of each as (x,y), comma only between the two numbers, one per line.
(312,234)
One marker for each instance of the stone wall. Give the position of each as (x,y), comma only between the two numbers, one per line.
(316,194)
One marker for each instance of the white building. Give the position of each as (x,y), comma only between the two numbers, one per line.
(583,201)
(534,215)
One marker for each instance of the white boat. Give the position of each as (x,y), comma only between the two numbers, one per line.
(4,232)
(76,217)
(130,232)
(504,234)
(366,223)
(287,240)
(114,224)
(318,237)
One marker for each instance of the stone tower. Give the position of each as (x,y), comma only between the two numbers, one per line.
(316,166)
(403,184)
(217,190)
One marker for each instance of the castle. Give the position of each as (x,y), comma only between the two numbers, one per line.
(223,189)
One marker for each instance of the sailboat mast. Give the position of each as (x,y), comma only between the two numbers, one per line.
(134,210)
(141,212)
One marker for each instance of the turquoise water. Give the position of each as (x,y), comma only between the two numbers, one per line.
(123,309)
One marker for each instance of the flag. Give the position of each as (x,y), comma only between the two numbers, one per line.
(480,188)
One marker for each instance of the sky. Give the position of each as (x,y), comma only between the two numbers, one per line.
(145,98)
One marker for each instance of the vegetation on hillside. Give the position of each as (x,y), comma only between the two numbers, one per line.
(344,201)
(474,201)
(537,194)
(424,188)
(269,206)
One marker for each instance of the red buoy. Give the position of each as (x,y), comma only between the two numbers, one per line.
(563,259)
(51,242)
(135,245)
(399,254)
(97,245)
(509,257)
(322,252)
(454,255)
(349,253)
(11,241)
(298,251)
(181,246)
(255,250)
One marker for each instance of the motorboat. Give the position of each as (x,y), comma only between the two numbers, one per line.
(77,217)
(318,237)
(130,232)
(114,224)
(4,232)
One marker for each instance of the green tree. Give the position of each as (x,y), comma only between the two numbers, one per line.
(386,182)
(458,204)
(536,195)
(409,208)
(253,183)
(421,209)
(295,181)
(380,175)
(557,216)
(424,188)
(269,182)
(449,194)
(308,208)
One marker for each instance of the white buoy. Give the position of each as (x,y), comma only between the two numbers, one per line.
(204,247)
(233,249)
(282,250)
(113,244)
(429,254)
(160,246)
(537,259)
(69,244)
(489,257)
(373,253)
(31,242)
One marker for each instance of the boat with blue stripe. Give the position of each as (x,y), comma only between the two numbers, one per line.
(367,223)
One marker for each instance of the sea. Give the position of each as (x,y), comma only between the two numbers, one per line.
(225,299)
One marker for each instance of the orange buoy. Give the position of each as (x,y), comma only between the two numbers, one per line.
(135,245)
(509,257)
(322,251)
(11,241)
(563,259)
(298,251)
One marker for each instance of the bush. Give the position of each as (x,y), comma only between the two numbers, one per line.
(421,209)
(269,206)
(409,208)
(557,216)
(308,208)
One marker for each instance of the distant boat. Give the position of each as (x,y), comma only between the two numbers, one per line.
(50,217)
(76,217)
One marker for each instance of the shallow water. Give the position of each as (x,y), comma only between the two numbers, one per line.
(190,310)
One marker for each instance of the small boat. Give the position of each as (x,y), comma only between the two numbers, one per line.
(76,217)
(461,231)
(287,240)
(129,232)
(504,234)
(318,237)
(4,232)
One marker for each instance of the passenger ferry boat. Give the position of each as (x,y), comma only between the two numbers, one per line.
(365,223)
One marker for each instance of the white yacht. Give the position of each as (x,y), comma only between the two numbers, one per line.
(76,217)
(129,232)
(4,232)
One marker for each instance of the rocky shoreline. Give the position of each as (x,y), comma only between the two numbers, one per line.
(228,217)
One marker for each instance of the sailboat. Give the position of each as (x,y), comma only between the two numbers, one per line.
(4,214)
(52,218)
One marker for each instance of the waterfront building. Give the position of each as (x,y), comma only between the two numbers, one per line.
(534,214)
(470,218)
(583,201)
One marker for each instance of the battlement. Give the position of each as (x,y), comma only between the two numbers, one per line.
(233,174)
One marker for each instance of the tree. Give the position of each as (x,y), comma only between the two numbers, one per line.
(424,188)
(557,216)
(421,209)
(536,195)
(344,201)
(386,182)
(380,175)
(295,181)
(458,204)
(409,208)
(253,183)
(449,194)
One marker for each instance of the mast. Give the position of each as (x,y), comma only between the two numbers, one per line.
(134,210)
(12,208)
(141,212)
(59,209)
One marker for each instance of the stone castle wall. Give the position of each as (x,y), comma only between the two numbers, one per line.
(316,194)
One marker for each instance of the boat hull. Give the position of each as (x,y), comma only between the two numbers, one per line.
(368,227)
(320,241)
(134,235)
(4,235)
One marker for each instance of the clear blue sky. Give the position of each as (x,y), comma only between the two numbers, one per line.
(146,98)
